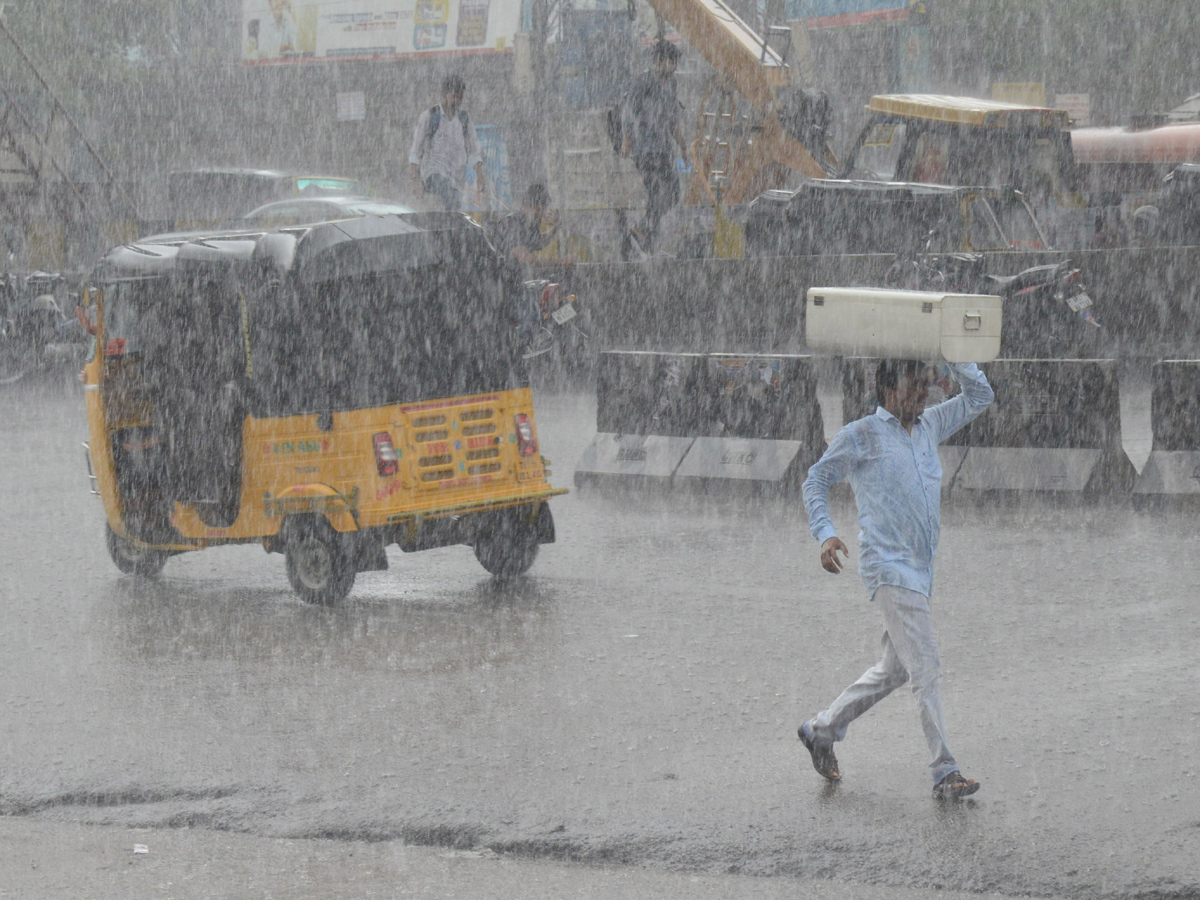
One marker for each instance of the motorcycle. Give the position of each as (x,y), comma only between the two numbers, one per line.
(36,337)
(557,326)
(1047,310)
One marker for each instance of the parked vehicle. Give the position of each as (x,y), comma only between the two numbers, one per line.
(1126,168)
(310,210)
(1048,313)
(838,216)
(325,391)
(37,337)
(1131,160)
(964,140)
(210,198)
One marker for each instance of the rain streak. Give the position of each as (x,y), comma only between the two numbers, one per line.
(614,448)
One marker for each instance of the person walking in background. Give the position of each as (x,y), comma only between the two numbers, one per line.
(650,131)
(444,146)
(891,460)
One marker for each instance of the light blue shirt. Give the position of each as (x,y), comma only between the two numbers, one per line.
(897,482)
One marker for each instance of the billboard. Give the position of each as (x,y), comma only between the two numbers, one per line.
(291,31)
(834,13)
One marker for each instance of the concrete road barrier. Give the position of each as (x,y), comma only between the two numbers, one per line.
(704,418)
(1055,426)
(651,393)
(764,422)
(1173,468)
(649,409)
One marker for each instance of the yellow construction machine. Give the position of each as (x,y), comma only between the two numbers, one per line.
(755,124)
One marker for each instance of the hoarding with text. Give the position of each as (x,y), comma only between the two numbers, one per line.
(292,31)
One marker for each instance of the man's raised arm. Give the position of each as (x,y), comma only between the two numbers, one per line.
(946,418)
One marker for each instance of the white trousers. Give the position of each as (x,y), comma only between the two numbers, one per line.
(909,653)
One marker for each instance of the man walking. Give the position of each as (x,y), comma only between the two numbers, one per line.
(649,133)
(444,145)
(891,460)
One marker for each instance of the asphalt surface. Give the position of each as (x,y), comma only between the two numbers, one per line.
(622,720)
(50,859)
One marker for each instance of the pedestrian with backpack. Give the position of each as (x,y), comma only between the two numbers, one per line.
(444,146)
(650,131)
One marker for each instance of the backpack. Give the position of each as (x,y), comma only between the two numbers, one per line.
(435,121)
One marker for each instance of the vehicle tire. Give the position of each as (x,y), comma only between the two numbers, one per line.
(131,558)
(508,548)
(319,565)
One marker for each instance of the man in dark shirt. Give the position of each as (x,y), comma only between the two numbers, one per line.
(519,235)
(650,132)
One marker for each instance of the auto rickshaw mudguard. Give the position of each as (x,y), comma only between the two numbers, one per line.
(320,499)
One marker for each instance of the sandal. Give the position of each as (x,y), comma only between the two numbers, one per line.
(954,787)
(823,759)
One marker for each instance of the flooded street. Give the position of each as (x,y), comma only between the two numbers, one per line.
(566,299)
(632,701)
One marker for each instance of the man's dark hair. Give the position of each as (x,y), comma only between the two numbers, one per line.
(454,84)
(665,50)
(889,371)
(537,195)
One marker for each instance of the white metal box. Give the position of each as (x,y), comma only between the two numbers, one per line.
(925,325)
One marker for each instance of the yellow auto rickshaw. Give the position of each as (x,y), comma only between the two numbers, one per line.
(326,390)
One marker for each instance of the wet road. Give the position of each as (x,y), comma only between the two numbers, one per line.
(633,700)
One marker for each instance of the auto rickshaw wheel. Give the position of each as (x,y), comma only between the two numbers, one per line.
(319,564)
(131,558)
(509,547)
